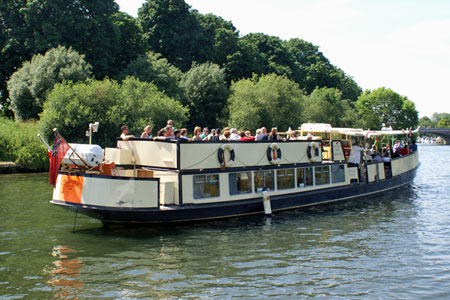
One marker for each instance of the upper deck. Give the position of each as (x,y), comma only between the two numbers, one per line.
(185,156)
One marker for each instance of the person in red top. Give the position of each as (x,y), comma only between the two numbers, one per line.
(404,151)
(245,136)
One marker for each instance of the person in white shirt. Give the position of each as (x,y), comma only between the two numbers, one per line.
(355,154)
(234,135)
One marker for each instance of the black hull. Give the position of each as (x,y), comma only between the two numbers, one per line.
(200,212)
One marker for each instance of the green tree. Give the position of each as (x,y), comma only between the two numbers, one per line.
(312,69)
(426,122)
(34,26)
(221,35)
(259,54)
(443,123)
(205,93)
(245,62)
(72,106)
(131,41)
(153,68)
(29,27)
(440,119)
(325,105)
(29,85)
(173,30)
(270,101)
(384,106)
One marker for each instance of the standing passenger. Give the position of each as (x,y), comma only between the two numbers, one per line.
(355,154)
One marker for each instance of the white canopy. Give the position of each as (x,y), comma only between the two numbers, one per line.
(326,128)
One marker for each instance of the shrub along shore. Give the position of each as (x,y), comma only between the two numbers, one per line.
(20,147)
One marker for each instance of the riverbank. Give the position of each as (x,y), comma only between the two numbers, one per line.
(21,151)
(9,167)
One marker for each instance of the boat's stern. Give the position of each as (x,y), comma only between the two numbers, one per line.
(105,192)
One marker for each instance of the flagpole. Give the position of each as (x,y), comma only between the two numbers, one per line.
(44,142)
(73,150)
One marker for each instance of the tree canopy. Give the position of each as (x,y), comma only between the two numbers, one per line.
(205,93)
(72,106)
(154,68)
(174,46)
(28,86)
(325,105)
(270,101)
(384,106)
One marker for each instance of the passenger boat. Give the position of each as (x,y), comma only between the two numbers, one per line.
(144,181)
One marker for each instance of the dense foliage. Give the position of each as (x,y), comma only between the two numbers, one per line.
(270,101)
(169,56)
(70,107)
(384,106)
(28,86)
(93,28)
(325,105)
(152,67)
(19,143)
(438,120)
(205,93)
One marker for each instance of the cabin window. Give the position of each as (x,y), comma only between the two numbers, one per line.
(206,186)
(285,179)
(337,173)
(240,183)
(322,175)
(304,177)
(264,181)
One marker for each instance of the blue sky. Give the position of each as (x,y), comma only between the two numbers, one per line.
(399,44)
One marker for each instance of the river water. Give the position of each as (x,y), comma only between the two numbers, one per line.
(395,246)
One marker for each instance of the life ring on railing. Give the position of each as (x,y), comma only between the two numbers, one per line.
(221,155)
(313,152)
(274,154)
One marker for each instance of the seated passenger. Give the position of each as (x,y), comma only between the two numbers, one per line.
(183,133)
(204,133)
(197,132)
(274,136)
(294,135)
(404,151)
(226,136)
(377,158)
(245,137)
(396,148)
(234,136)
(125,136)
(162,135)
(413,146)
(215,135)
(262,136)
(147,132)
(177,134)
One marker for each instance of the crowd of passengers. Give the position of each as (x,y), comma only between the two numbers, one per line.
(377,153)
(169,133)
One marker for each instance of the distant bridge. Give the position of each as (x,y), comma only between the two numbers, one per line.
(442,132)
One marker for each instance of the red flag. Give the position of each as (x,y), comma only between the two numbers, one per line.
(60,148)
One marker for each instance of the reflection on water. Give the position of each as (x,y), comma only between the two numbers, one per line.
(65,274)
(394,246)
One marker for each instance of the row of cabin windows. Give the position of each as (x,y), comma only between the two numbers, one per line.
(207,186)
